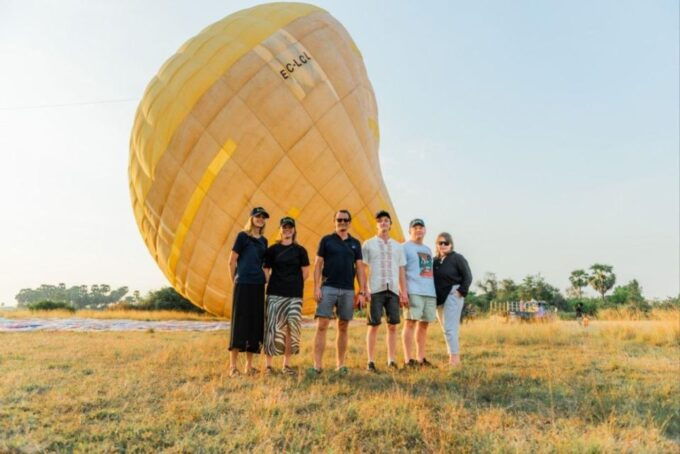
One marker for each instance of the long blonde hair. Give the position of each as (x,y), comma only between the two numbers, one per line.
(447,237)
(250,227)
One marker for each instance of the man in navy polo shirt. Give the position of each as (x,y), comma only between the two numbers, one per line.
(338,260)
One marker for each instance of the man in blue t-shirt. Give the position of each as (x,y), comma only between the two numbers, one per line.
(338,261)
(422,299)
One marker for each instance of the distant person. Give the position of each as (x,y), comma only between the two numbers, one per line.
(579,311)
(245,271)
(338,261)
(385,259)
(452,279)
(422,302)
(287,265)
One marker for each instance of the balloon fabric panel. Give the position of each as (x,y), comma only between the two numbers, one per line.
(270,107)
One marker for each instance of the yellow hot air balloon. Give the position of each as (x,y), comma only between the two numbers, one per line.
(271,106)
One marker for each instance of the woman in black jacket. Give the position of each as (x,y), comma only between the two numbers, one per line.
(452,279)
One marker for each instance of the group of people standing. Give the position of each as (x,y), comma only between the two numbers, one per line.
(269,280)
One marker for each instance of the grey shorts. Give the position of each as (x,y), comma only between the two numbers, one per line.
(335,298)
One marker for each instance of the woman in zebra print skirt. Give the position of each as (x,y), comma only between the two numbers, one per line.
(287,266)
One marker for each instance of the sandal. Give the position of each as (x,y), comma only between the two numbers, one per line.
(287,370)
(234,372)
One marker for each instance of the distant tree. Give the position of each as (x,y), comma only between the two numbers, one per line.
(602,278)
(507,291)
(481,302)
(671,302)
(631,295)
(534,287)
(48,305)
(167,298)
(79,296)
(489,285)
(578,279)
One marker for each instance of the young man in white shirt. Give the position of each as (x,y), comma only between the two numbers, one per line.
(386,287)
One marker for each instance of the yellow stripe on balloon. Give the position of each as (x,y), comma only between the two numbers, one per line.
(184,83)
(195,203)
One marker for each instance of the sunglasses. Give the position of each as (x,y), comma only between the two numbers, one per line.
(345,220)
(443,243)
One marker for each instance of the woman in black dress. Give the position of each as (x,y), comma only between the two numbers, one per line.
(247,275)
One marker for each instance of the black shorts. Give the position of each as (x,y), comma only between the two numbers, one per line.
(384,302)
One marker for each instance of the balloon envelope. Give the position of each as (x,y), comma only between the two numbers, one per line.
(272,107)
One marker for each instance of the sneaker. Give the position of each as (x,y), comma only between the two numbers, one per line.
(342,370)
(411,364)
(371,367)
(426,363)
(234,372)
(287,370)
(269,370)
(392,365)
(252,371)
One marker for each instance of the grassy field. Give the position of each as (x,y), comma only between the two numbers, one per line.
(524,388)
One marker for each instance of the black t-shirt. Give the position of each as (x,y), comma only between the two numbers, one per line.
(286,263)
(250,252)
(339,260)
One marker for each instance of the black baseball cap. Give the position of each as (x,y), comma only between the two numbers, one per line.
(287,220)
(383,213)
(415,222)
(259,210)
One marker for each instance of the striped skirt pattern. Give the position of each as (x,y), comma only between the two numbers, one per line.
(281,312)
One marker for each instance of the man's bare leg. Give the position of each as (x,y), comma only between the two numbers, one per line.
(341,342)
(391,343)
(407,340)
(320,341)
(421,338)
(371,337)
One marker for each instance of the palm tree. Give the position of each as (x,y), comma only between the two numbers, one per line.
(578,279)
(602,278)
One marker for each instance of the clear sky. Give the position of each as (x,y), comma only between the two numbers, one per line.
(542,134)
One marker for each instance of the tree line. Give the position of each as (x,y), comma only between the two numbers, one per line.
(490,289)
(101,296)
(600,277)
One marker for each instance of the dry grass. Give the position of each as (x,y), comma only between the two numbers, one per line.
(626,313)
(524,388)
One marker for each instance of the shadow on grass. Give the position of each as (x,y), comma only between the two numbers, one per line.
(595,397)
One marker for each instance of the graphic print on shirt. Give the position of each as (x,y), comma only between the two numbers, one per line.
(425,263)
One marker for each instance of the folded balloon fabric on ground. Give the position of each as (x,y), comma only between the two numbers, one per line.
(89,324)
(271,106)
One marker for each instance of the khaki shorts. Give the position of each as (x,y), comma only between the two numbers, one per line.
(421,308)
